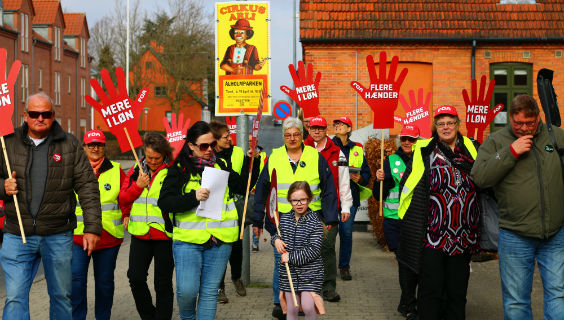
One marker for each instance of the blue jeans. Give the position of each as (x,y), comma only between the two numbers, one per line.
(275,287)
(104,266)
(345,234)
(199,271)
(20,262)
(517,255)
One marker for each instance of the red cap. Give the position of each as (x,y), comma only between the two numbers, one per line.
(410,131)
(446,109)
(318,122)
(94,136)
(344,120)
(242,24)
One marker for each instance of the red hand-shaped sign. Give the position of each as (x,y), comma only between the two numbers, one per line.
(6,93)
(175,132)
(478,112)
(306,94)
(118,110)
(417,112)
(383,94)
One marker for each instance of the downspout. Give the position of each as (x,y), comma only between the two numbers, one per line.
(77,98)
(32,62)
(473,60)
(16,86)
(356,95)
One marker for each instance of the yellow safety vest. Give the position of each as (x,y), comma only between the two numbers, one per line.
(109,186)
(237,158)
(189,227)
(145,213)
(417,170)
(307,170)
(356,157)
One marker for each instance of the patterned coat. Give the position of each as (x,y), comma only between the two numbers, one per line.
(304,238)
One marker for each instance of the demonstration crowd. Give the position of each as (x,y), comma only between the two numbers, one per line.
(75,205)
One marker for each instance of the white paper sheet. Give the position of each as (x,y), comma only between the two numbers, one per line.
(216,181)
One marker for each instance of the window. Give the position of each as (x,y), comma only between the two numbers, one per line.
(40,79)
(511,79)
(69,84)
(1,16)
(69,125)
(160,91)
(57,44)
(82,127)
(83,52)
(24,28)
(57,86)
(148,65)
(25,81)
(82,92)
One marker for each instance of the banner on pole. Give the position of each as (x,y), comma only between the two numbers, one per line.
(7,92)
(242,54)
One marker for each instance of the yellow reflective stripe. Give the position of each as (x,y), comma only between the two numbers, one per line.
(79,218)
(110,207)
(201,225)
(147,200)
(117,222)
(148,219)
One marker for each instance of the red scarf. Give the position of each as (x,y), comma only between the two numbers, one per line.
(96,164)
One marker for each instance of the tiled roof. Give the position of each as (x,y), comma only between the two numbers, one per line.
(12,4)
(74,23)
(45,11)
(365,20)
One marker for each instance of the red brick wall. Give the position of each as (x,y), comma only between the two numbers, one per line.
(451,72)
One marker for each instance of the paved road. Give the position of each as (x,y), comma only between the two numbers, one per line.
(372,294)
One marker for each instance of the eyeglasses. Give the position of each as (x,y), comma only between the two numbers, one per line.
(205,146)
(317,128)
(295,135)
(93,146)
(446,124)
(529,124)
(299,201)
(36,114)
(410,139)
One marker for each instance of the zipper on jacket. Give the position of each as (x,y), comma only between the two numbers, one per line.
(543,227)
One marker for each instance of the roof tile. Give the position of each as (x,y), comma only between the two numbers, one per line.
(429,19)
(74,23)
(45,11)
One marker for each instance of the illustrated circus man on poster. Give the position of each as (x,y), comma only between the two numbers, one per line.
(241,57)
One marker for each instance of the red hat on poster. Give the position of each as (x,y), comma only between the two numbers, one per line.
(345,120)
(318,122)
(410,131)
(94,136)
(446,109)
(242,24)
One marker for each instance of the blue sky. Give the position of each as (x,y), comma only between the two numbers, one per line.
(280,42)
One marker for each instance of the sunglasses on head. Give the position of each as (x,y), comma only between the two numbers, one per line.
(205,146)
(36,114)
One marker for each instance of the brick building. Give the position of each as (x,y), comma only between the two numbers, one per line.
(151,73)
(52,47)
(443,43)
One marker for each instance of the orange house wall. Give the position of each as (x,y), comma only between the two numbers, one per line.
(451,72)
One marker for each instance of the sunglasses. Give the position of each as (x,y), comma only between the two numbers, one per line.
(410,139)
(36,114)
(205,146)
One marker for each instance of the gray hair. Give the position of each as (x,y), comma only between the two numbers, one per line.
(290,123)
(39,95)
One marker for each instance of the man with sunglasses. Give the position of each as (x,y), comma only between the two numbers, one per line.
(523,166)
(394,167)
(49,166)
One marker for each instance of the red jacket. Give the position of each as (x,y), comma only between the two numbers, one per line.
(131,191)
(331,154)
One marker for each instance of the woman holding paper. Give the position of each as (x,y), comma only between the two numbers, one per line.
(299,243)
(150,239)
(201,245)
(441,214)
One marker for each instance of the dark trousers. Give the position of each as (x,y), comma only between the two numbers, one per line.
(329,257)
(235,261)
(408,281)
(140,255)
(443,283)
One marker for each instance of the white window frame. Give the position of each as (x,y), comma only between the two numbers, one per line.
(57,44)
(83,52)
(25,81)
(69,84)
(40,79)
(82,92)
(57,89)
(24,29)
